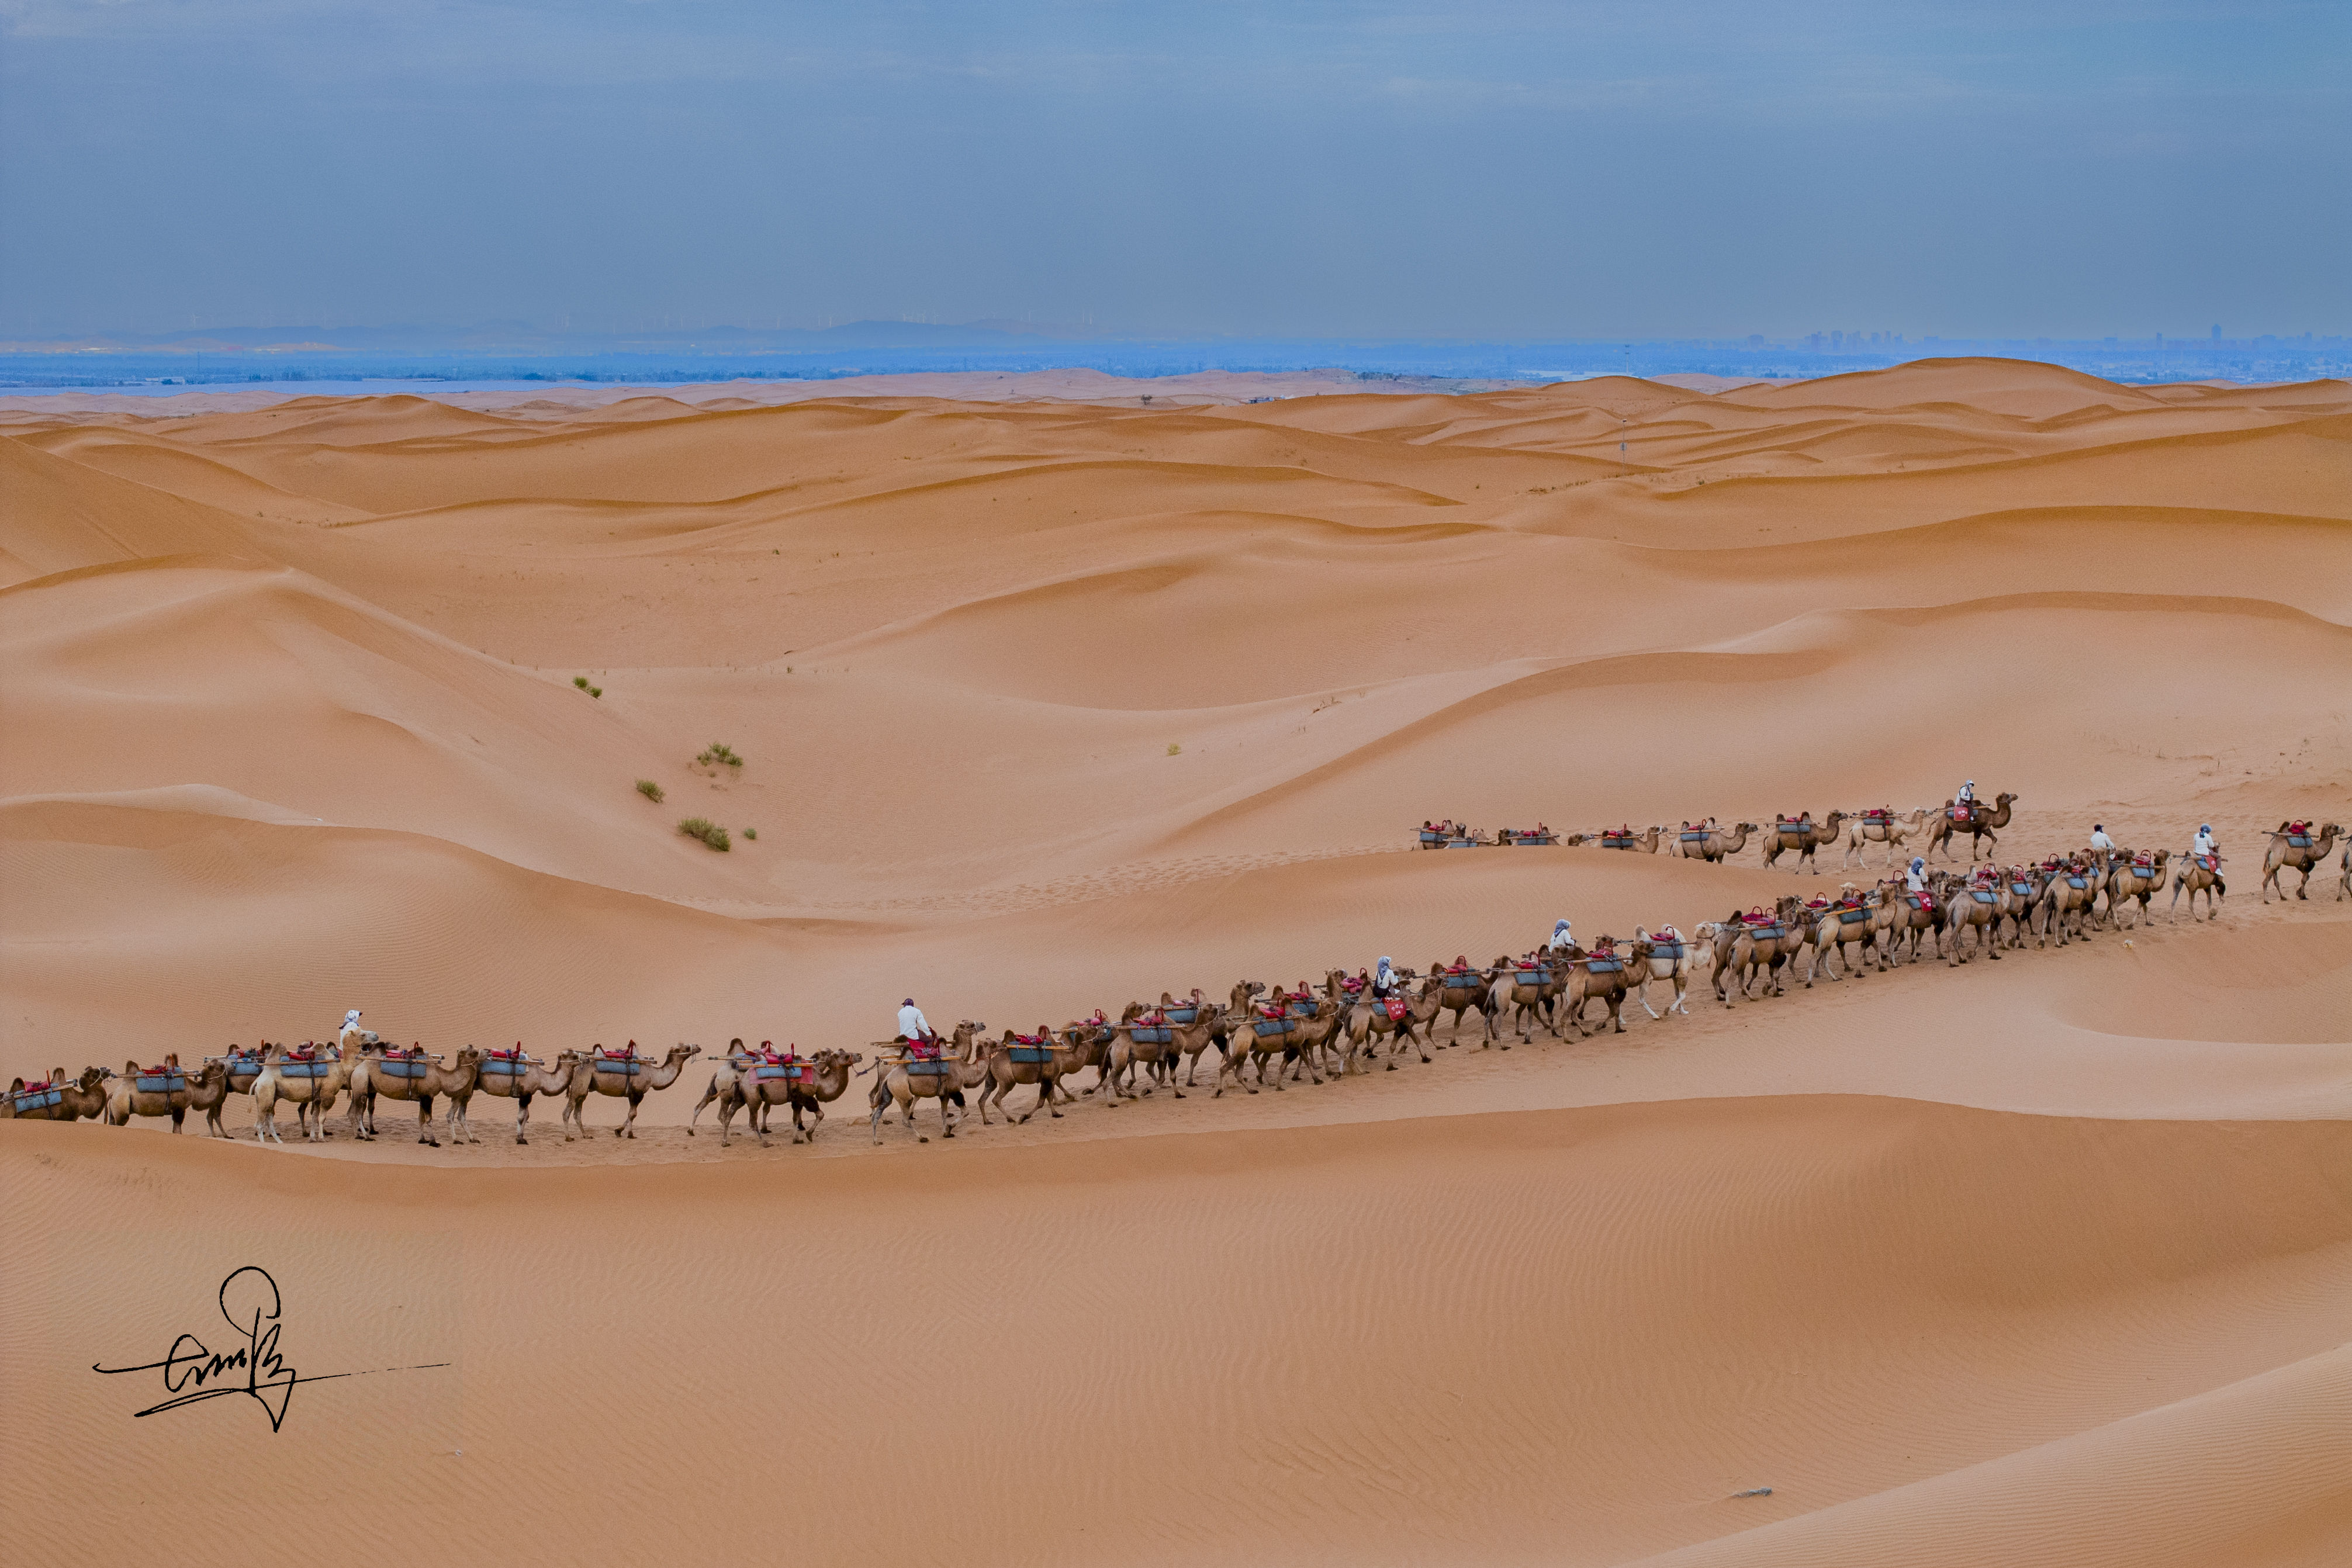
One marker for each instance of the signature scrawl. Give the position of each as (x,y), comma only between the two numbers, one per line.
(250,1302)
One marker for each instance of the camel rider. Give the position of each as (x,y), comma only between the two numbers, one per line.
(2204,849)
(1385,983)
(1561,938)
(921,1040)
(1915,875)
(2101,845)
(347,1038)
(1967,795)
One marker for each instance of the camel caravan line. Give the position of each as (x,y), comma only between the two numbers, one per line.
(1801,837)
(1260,1035)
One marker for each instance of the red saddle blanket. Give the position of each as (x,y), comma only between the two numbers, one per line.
(1963,814)
(1275,1014)
(1395,1005)
(1031,1039)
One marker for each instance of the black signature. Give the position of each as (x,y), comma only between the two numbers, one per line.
(191,1367)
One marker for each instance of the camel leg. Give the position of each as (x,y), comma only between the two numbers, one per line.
(424,1121)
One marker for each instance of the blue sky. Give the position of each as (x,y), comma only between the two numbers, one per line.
(1489,170)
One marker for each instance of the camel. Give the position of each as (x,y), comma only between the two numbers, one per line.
(1288,1037)
(413,1075)
(2197,875)
(1369,1020)
(1840,926)
(1463,990)
(1910,915)
(2134,879)
(60,1099)
(1211,1024)
(1644,844)
(805,1084)
(208,1091)
(1889,829)
(1804,835)
(902,1080)
(623,1074)
(243,1067)
(1743,945)
(514,1075)
(1708,842)
(2344,881)
(1670,959)
(726,1087)
(305,1079)
(1020,1058)
(2286,854)
(2017,895)
(148,1091)
(1979,823)
(1975,910)
(2066,901)
(1086,1043)
(1604,976)
(1527,990)
(1152,1038)
(822,1079)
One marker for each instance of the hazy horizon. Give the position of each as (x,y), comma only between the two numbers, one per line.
(1399,170)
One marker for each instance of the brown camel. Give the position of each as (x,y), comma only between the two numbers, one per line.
(1602,976)
(1369,1020)
(1286,1037)
(1020,1058)
(904,1080)
(1911,916)
(2020,894)
(1840,926)
(1804,836)
(2129,879)
(1147,1038)
(1751,945)
(2197,874)
(515,1075)
(1977,819)
(1527,989)
(822,1079)
(60,1099)
(413,1075)
(1212,1023)
(2066,901)
(148,1091)
(208,1091)
(2297,853)
(1626,839)
(1881,827)
(1706,841)
(624,1075)
(1975,911)
(1463,990)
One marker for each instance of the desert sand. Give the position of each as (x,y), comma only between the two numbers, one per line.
(1049,700)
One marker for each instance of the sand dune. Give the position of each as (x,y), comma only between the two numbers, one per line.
(1050,699)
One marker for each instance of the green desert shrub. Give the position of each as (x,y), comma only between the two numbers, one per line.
(650,790)
(719,754)
(580,681)
(708,831)
(751,833)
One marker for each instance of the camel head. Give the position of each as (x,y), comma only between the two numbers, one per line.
(681,1054)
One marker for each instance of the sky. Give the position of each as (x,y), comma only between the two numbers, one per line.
(2070,168)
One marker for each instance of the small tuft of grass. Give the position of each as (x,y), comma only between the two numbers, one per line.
(650,790)
(580,681)
(1174,749)
(751,833)
(708,831)
(719,754)
(595,691)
